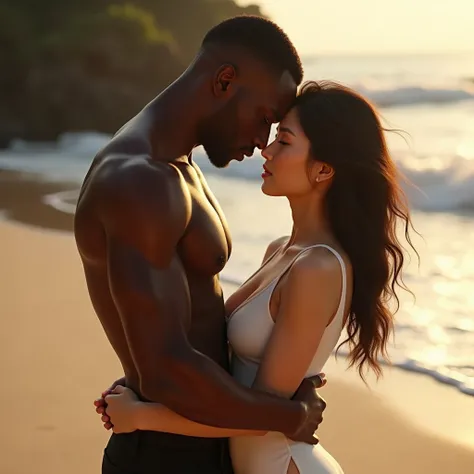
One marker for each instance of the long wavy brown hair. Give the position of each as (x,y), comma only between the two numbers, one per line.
(364,205)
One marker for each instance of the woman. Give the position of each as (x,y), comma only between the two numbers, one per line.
(339,268)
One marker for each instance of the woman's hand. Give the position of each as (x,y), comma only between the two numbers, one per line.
(100,404)
(121,410)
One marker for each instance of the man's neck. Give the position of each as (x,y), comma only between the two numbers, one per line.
(174,120)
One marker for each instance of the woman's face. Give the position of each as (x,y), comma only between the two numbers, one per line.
(286,171)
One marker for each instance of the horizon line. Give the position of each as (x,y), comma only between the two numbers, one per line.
(387,53)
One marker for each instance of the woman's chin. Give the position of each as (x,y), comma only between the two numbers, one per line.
(267,190)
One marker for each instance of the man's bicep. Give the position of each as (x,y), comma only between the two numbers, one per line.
(144,212)
(153,304)
(146,209)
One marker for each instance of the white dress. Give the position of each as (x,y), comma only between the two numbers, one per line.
(249,328)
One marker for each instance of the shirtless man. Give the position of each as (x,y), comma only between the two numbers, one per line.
(153,240)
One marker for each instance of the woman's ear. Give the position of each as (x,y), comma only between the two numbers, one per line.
(321,172)
(326,172)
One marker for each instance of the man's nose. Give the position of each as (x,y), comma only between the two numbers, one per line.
(258,143)
(262,140)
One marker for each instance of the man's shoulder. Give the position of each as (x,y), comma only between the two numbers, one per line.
(124,188)
(124,177)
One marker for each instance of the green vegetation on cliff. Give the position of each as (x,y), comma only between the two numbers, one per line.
(80,65)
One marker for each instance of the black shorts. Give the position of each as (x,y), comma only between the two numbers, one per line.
(149,452)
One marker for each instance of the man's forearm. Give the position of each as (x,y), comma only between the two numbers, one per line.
(197,388)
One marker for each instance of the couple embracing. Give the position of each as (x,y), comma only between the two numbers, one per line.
(214,386)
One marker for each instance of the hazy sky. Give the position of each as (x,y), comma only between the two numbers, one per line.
(362,26)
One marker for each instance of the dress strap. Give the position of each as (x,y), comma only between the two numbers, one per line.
(342,299)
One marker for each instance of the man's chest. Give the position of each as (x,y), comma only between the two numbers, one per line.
(206,244)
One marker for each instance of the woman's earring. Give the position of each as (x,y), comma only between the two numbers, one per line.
(317,179)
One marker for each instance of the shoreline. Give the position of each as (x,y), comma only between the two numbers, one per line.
(33,200)
(23,204)
(22,200)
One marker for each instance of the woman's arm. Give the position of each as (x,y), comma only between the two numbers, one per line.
(156,417)
(309,299)
(126,413)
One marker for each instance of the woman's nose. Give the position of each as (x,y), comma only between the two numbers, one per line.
(266,153)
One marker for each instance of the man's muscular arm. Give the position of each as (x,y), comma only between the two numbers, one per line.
(145,208)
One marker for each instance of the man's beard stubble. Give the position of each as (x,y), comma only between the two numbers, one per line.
(219,134)
(219,157)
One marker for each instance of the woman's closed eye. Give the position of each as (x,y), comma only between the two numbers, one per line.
(279,140)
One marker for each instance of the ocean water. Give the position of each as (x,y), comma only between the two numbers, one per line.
(429,97)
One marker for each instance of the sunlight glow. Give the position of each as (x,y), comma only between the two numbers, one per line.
(374,26)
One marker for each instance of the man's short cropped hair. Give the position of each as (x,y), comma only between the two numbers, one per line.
(262,38)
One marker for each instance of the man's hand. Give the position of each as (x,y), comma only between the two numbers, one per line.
(100,403)
(307,393)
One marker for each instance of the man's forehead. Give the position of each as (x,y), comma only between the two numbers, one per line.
(276,93)
(285,94)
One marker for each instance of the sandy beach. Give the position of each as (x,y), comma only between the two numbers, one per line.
(55,360)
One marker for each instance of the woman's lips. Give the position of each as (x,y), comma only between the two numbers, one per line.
(265,173)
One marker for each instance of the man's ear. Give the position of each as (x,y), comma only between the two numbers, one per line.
(223,80)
